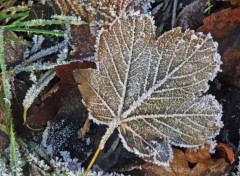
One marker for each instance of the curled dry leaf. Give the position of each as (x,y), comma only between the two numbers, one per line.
(194,156)
(194,163)
(210,167)
(179,166)
(224,151)
(224,25)
(151,90)
(221,24)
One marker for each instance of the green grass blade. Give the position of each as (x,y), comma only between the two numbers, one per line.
(38,31)
(17,15)
(14,23)
(13,150)
(6,86)
(7,111)
(42,22)
(17,40)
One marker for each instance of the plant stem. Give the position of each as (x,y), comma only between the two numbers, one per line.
(39,31)
(103,141)
(7,106)
(85,128)
(92,161)
(13,149)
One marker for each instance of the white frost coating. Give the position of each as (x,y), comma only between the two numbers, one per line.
(26,54)
(47,51)
(45,135)
(34,91)
(76,20)
(37,43)
(194,37)
(33,77)
(153,155)
(213,145)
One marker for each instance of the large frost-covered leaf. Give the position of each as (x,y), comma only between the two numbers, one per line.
(151,90)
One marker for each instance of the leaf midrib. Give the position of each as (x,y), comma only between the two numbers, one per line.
(144,96)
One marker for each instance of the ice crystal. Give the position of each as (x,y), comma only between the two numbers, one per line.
(36,88)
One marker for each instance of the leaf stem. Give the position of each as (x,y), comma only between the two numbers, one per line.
(112,127)
(92,161)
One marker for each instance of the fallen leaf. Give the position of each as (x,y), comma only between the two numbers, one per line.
(233,2)
(69,7)
(224,151)
(151,90)
(107,11)
(210,168)
(59,96)
(82,42)
(221,24)
(191,16)
(188,162)
(64,72)
(13,50)
(179,166)
(194,156)
(224,26)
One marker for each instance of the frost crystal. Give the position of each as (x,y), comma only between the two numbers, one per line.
(34,91)
(37,43)
(152,90)
(105,12)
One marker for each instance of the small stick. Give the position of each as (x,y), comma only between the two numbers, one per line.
(85,128)
(174,13)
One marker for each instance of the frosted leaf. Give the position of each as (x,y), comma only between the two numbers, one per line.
(105,11)
(152,90)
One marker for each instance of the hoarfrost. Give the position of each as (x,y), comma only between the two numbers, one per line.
(37,43)
(152,90)
(35,89)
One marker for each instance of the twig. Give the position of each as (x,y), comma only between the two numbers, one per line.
(174,13)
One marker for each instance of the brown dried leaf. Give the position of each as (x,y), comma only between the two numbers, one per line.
(224,151)
(108,10)
(199,155)
(206,164)
(221,24)
(69,7)
(59,96)
(209,168)
(179,166)
(13,50)
(224,26)
(82,42)
(233,2)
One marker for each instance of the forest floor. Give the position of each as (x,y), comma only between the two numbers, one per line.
(40,67)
